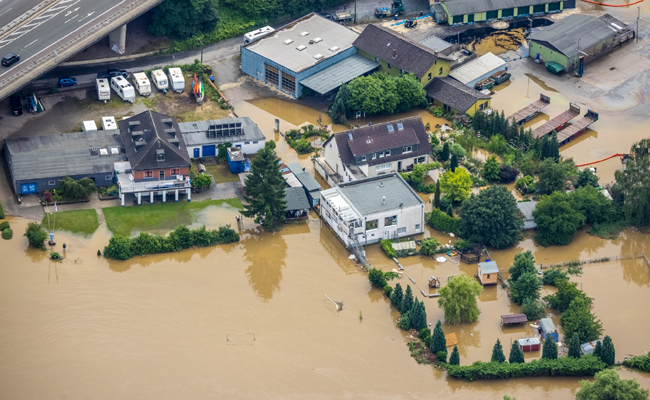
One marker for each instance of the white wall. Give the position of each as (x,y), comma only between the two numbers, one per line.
(250,148)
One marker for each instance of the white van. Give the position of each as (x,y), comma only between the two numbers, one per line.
(142,83)
(177,80)
(257,34)
(103,90)
(123,88)
(160,80)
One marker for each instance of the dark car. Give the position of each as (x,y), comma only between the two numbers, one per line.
(112,72)
(10,59)
(16,105)
(67,81)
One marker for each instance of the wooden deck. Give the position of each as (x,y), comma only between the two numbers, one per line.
(557,123)
(527,113)
(578,128)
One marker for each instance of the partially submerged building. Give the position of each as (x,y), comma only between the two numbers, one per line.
(374,150)
(202,138)
(456,97)
(561,46)
(297,204)
(488,272)
(311,187)
(470,11)
(526,209)
(366,211)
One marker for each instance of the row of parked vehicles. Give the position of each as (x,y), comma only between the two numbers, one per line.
(116,79)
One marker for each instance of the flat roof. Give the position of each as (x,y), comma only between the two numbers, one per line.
(296,199)
(273,47)
(476,68)
(195,132)
(367,195)
(435,43)
(342,72)
(305,178)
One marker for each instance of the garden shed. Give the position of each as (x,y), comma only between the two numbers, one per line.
(511,319)
(529,344)
(589,347)
(487,272)
(547,327)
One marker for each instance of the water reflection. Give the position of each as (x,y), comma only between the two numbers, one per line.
(265,252)
(636,270)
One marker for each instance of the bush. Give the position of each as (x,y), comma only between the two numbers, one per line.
(377,278)
(118,248)
(525,184)
(7,234)
(588,365)
(429,246)
(639,362)
(4,225)
(462,245)
(404,322)
(443,222)
(388,290)
(551,276)
(533,309)
(202,181)
(508,174)
(2,211)
(387,246)
(36,235)
(54,256)
(441,356)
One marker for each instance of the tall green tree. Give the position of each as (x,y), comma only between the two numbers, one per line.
(598,349)
(579,320)
(458,299)
(516,354)
(450,210)
(410,92)
(574,346)
(407,301)
(608,354)
(557,221)
(549,351)
(552,177)
(526,287)
(533,309)
(182,19)
(397,296)
(438,340)
(587,178)
(454,359)
(491,169)
(418,318)
(609,386)
(340,112)
(524,263)
(593,204)
(565,294)
(436,197)
(491,218)
(497,353)
(444,156)
(377,278)
(456,185)
(36,235)
(633,185)
(453,164)
(265,189)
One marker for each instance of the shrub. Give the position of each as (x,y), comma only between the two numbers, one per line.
(462,245)
(533,309)
(551,276)
(454,359)
(387,246)
(2,211)
(36,235)
(639,362)
(525,184)
(377,278)
(202,181)
(404,322)
(588,365)
(443,222)
(4,225)
(508,174)
(78,189)
(429,246)
(54,256)
(388,290)
(441,356)
(7,234)
(118,248)
(424,333)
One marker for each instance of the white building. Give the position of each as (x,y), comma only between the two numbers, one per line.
(202,137)
(374,150)
(382,207)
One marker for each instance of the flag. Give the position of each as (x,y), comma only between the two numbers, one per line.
(55,207)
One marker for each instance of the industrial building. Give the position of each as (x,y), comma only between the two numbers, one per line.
(577,39)
(470,11)
(455,97)
(476,70)
(366,211)
(202,137)
(312,52)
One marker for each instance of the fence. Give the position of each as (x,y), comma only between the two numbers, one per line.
(575,263)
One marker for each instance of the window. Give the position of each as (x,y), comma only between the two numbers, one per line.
(429,76)
(160,155)
(401,231)
(363,158)
(390,221)
(387,153)
(488,276)
(255,141)
(148,174)
(108,177)
(389,67)
(381,154)
(357,224)
(329,216)
(330,145)
(377,59)
(382,167)
(51,183)
(370,225)
(407,149)
(247,142)
(440,71)
(420,160)
(175,171)
(374,156)
(480,107)
(417,227)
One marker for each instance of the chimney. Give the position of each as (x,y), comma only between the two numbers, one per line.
(383,200)
(394,53)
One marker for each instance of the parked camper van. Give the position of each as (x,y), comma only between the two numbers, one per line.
(123,88)
(142,83)
(176,79)
(257,34)
(103,90)
(160,80)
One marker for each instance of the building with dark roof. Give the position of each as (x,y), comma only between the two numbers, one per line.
(456,97)
(374,150)
(562,44)
(310,185)
(297,204)
(369,210)
(470,11)
(397,54)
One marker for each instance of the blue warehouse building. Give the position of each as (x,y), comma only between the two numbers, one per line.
(311,52)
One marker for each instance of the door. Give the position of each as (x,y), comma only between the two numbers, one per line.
(399,165)
(209,151)
(196,152)
(386,234)
(161,175)
(27,188)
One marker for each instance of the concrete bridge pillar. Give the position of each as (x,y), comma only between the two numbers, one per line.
(117,40)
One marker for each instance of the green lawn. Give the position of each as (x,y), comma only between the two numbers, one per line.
(221,173)
(125,220)
(78,221)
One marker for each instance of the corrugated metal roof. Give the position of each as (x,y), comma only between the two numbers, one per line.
(477,68)
(342,72)
(462,7)
(489,267)
(194,133)
(526,208)
(367,195)
(305,178)
(435,43)
(547,325)
(564,34)
(296,199)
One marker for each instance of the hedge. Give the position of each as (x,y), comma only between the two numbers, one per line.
(387,246)
(639,362)
(2,211)
(564,366)
(443,222)
(4,225)
(7,234)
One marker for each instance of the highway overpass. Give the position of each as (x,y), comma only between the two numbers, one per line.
(46,33)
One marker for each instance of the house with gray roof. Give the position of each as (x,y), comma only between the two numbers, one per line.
(472,11)
(297,204)
(369,210)
(373,150)
(202,137)
(310,185)
(456,97)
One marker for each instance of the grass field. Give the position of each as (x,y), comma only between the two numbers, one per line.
(221,173)
(84,222)
(125,220)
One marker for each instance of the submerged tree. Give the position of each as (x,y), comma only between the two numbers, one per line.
(574,346)
(549,351)
(608,353)
(516,354)
(497,352)
(609,386)
(407,301)
(397,296)
(458,299)
(524,263)
(633,185)
(454,359)
(418,318)
(438,340)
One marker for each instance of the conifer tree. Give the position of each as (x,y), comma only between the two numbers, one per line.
(438,340)
(445,152)
(418,316)
(516,354)
(436,198)
(598,350)
(497,353)
(397,296)
(454,359)
(549,351)
(453,163)
(608,353)
(450,210)
(574,346)
(407,301)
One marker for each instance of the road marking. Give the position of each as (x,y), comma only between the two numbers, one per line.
(73,17)
(10,8)
(31,43)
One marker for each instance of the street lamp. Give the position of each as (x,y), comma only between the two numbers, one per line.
(201,41)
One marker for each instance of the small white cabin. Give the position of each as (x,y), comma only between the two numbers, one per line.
(257,34)
(177,80)
(108,123)
(103,90)
(88,126)
(123,88)
(160,80)
(142,84)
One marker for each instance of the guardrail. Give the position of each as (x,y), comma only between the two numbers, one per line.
(13,24)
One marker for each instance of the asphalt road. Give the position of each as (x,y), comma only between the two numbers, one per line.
(12,9)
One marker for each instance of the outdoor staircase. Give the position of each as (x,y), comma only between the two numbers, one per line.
(357,250)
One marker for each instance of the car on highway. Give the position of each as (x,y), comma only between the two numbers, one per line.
(10,59)
(112,73)
(67,81)
(16,105)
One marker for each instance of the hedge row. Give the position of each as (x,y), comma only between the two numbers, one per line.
(564,366)
(639,362)
(2,211)
(443,222)
(387,246)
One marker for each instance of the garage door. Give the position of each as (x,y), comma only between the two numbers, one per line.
(208,151)
(27,188)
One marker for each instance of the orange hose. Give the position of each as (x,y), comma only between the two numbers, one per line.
(220,94)
(595,162)
(612,5)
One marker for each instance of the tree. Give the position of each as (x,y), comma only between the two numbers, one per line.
(497,353)
(182,19)
(380,93)
(429,246)
(491,169)
(557,221)
(533,309)
(450,210)
(579,320)
(223,150)
(340,112)
(376,278)
(633,185)
(438,340)
(598,350)
(457,150)
(507,174)
(552,177)
(574,346)
(456,185)
(397,296)
(75,190)
(444,156)
(608,353)
(491,218)
(516,354)
(453,164)
(404,321)
(118,248)
(549,351)
(593,204)
(454,359)
(551,276)
(265,189)
(587,178)
(436,198)
(418,318)
(410,92)
(526,287)
(609,386)
(524,263)
(202,181)
(36,235)
(458,299)
(407,301)
(566,293)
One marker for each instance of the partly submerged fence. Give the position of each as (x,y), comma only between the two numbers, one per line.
(576,263)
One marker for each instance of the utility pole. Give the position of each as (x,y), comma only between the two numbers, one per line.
(201,41)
